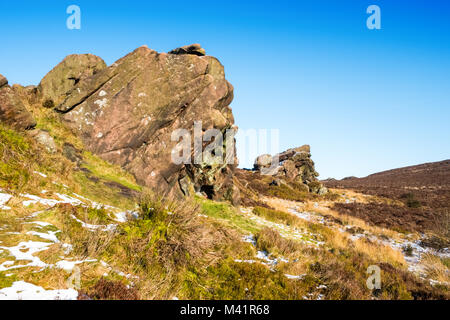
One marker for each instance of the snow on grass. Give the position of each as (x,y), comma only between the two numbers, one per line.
(126,215)
(250,239)
(50,202)
(262,256)
(69,265)
(284,230)
(96,205)
(67,248)
(40,173)
(308,216)
(93,227)
(41,223)
(292,277)
(21,290)
(25,251)
(4,198)
(51,235)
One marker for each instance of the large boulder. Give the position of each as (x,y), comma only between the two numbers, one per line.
(12,109)
(127,113)
(66,75)
(293,165)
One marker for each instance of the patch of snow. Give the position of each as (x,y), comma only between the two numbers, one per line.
(21,290)
(284,230)
(93,227)
(4,198)
(250,239)
(102,93)
(41,174)
(124,216)
(41,223)
(69,200)
(292,277)
(67,248)
(307,216)
(50,202)
(245,261)
(25,251)
(69,265)
(51,235)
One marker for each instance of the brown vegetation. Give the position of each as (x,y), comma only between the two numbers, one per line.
(424,191)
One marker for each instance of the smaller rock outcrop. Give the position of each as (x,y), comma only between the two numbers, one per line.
(293,165)
(66,75)
(12,109)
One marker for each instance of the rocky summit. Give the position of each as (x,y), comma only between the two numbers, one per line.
(126,113)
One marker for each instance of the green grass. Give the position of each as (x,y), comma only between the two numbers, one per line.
(6,282)
(228,215)
(110,172)
(446,262)
(240,281)
(101,193)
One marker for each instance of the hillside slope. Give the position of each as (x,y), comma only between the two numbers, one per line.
(421,194)
(86,230)
(74,225)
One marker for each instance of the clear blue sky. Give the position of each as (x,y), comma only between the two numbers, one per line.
(365,100)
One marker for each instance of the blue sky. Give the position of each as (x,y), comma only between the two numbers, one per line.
(365,100)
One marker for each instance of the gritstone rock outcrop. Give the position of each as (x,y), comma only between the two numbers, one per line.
(126,113)
(293,165)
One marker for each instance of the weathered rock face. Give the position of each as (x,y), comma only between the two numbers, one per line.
(12,110)
(3,81)
(66,75)
(294,165)
(126,114)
